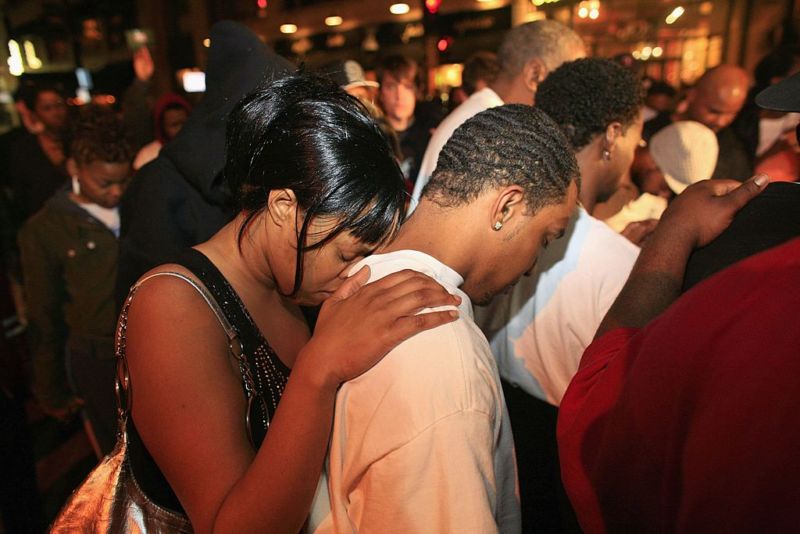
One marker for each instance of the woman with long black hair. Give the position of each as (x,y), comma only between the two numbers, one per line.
(220,429)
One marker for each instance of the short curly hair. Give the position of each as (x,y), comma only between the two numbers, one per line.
(99,135)
(586,95)
(507,145)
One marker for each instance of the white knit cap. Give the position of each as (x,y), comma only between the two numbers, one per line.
(686,152)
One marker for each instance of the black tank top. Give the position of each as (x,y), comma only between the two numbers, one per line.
(269,375)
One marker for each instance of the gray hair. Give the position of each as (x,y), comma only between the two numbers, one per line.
(547,40)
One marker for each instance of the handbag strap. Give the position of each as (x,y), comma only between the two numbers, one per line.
(122,379)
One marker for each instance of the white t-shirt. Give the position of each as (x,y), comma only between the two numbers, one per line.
(539,331)
(477,102)
(108,216)
(421,442)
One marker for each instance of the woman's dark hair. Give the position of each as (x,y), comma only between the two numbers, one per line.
(306,134)
(586,95)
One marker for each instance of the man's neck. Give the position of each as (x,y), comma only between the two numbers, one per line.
(511,91)
(442,233)
(588,165)
(400,124)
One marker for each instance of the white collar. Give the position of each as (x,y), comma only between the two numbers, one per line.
(384,264)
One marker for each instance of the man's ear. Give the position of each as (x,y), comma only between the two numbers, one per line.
(282,207)
(534,72)
(509,203)
(72,167)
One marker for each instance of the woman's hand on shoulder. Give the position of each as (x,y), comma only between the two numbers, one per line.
(360,323)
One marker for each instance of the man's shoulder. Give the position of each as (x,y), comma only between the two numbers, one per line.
(589,245)
(603,240)
(469,108)
(430,375)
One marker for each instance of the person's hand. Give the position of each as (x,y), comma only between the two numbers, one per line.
(65,412)
(637,232)
(701,213)
(143,64)
(360,323)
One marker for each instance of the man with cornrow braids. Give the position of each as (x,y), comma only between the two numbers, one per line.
(421,442)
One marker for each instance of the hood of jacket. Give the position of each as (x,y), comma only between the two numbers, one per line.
(237,63)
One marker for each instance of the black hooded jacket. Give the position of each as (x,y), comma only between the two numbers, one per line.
(179,199)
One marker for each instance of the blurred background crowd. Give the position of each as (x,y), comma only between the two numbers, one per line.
(89,89)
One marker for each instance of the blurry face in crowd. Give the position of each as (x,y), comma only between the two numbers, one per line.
(101,182)
(172,121)
(51,110)
(398,96)
(515,250)
(647,176)
(716,107)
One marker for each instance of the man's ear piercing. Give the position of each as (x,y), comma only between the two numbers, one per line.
(498,225)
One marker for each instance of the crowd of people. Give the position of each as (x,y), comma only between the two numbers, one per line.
(334,307)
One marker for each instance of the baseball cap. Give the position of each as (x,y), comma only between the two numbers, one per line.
(686,152)
(348,74)
(783,96)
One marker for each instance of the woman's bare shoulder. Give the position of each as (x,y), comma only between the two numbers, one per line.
(167,309)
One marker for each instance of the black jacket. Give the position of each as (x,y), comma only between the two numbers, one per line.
(179,199)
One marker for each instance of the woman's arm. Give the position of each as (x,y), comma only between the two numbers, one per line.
(189,408)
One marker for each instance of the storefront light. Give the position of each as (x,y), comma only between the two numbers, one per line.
(288,28)
(399,9)
(675,15)
(658,51)
(30,56)
(589,9)
(334,20)
(15,59)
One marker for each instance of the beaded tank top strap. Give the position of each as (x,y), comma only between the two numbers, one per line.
(224,294)
(265,370)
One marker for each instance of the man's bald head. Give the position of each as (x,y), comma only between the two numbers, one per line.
(718,96)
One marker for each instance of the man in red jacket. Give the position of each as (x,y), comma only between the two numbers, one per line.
(683,415)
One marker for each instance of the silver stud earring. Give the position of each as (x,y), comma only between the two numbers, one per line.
(606,154)
(76,185)
(498,225)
